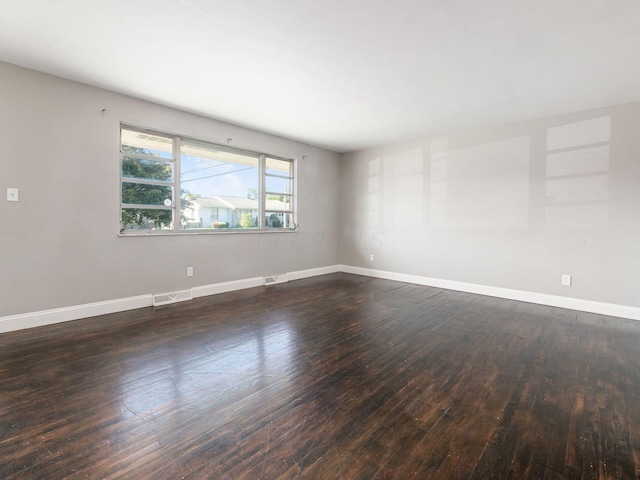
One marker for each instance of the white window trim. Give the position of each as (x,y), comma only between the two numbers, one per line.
(176,184)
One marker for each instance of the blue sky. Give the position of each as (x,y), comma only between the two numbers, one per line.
(210,177)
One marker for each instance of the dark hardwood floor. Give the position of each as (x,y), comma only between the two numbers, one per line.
(333,377)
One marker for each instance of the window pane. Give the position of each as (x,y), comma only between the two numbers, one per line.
(278,184)
(145,219)
(144,194)
(279,220)
(146,144)
(145,169)
(276,166)
(219,187)
(276,203)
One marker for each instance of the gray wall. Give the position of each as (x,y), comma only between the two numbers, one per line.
(513,207)
(59,244)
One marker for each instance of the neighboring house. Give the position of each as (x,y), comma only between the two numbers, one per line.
(203,212)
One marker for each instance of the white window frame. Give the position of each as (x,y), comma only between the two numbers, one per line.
(175,208)
(265,193)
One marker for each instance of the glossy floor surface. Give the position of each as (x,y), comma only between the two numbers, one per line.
(333,377)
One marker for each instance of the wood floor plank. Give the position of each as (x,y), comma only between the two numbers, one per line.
(332,377)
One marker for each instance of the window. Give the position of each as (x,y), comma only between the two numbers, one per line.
(171,184)
(278,193)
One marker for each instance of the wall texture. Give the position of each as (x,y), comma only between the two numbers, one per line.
(512,207)
(59,245)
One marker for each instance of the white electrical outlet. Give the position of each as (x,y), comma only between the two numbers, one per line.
(189,271)
(566,280)
(12,194)
(371,257)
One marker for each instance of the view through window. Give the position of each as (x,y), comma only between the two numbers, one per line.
(175,184)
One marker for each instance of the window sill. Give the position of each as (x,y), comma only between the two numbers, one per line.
(155,233)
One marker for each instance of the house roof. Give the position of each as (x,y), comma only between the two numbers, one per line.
(224,201)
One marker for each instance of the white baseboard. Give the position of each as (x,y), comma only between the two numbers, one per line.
(58,315)
(77,312)
(610,309)
(224,287)
(312,272)
(217,288)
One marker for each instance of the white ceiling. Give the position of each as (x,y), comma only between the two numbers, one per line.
(342,74)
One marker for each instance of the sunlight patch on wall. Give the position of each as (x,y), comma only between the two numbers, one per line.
(482,186)
(373,193)
(577,166)
(403,189)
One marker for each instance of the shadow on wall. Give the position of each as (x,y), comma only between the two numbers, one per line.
(488,185)
(396,190)
(483,186)
(560,173)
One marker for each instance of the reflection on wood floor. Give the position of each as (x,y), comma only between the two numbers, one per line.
(332,377)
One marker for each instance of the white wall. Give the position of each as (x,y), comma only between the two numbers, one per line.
(59,245)
(513,207)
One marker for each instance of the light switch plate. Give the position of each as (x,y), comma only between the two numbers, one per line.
(12,194)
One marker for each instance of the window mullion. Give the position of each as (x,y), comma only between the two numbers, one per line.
(268,192)
(177,195)
(262,197)
(146,181)
(294,194)
(143,207)
(141,156)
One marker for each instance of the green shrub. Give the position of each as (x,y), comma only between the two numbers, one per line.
(275,221)
(220,225)
(246,221)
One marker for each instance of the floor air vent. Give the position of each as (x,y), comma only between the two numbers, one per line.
(174,297)
(275,279)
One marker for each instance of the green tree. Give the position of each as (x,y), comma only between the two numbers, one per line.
(185,202)
(187,196)
(142,194)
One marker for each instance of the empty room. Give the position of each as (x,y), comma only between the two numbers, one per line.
(320,240)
